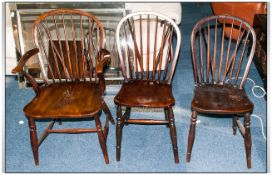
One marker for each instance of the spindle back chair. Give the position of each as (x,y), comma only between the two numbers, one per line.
(148,57)
(72,72)
(221,66)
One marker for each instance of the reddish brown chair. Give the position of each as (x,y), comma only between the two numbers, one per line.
(72,74)
(148,60)
(218,64)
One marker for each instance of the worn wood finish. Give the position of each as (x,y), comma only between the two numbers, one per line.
(65,100)
(148,61)
(218,99)
(72,72)
(144,93)
(220,75)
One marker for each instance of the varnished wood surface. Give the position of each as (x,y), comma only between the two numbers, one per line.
(144,93)
(65,100)
(147,65)
(217,74)
(68,90)
(221,99)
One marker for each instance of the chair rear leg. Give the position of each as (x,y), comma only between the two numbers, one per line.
(191,136)
(105,108)
(118,132)
(102,139)
(173,133)
(127,114)
(247,139)
(234,124)
(166,116)
(34,140)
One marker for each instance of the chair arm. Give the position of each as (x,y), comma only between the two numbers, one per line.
(103,58)
(23,60)
(19,69)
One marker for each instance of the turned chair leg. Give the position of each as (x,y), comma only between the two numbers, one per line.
(127,114)
(118,132)
(173,133)
(234,124)
(247,139)
(34,140)
(191,136)
(166,116)
(101,138)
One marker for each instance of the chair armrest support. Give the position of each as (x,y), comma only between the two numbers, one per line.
(103,58)
(19,69)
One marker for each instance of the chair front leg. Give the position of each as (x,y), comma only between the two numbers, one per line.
(173,133)
(247,139)
(34,140)
(102,139)
(191,136)
(118,132)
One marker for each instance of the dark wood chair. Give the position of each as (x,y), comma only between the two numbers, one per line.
(148,60)
(73,82)
(220,73)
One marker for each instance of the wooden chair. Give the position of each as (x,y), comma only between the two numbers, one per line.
(73,82)
(220,73)
(148,59)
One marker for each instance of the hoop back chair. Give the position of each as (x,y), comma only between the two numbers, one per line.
(147,60)
(73,81)
(221,67)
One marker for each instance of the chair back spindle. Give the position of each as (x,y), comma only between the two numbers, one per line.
(227,64)
(145,46)
(65,53)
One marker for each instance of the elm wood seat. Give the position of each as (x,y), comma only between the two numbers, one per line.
(144,93)
(222,99)
(72,74)
(147,60)
(221,67)
(65,100)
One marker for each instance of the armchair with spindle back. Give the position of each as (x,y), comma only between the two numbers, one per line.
(72,73)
